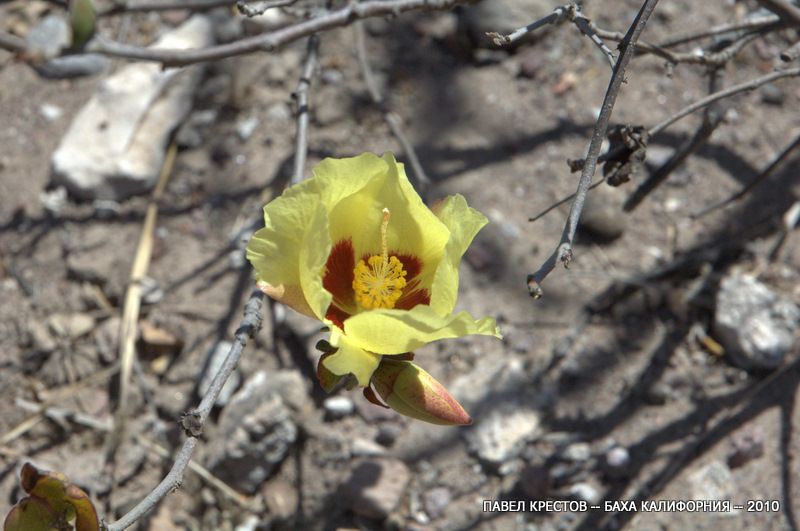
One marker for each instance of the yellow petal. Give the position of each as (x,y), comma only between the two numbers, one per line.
(463,223)
(412,228)
(399,331)
(350,359)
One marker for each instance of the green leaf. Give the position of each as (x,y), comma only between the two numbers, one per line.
(52,504)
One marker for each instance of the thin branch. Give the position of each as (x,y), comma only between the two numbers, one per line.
(563,251)
(268,41)
(557,16)
(392,120)
(712,118)
(765,174)
(783,9)
(194,421)
(11,42)
(752,23)
(301,97)
(154,5)
(571,12)
(262,7)
(689,109)
(730,91)
(562,201)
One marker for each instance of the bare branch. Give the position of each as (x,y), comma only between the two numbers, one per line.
(571,12)
(760,178)
(730,91)
(262,7)
(751,23)
(563,251)
(12,43)
(154,5)
(712,118)
(784,9)
(392,120)
(195,420)
(301,97)
(268,41)
(689,109)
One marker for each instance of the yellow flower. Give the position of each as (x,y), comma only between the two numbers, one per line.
(355,247)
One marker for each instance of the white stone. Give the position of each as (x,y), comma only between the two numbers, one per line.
(116,144)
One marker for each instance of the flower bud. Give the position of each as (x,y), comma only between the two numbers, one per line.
(412,392)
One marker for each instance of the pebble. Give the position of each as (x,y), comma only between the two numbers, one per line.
(585,492)
(712,482)
(53,201)
(362,447)
(255,434)
(51,112)
(70,325)
(756,326)
(41,340)
(215,359)
(500,436)
(280,498)
(245,128)
(388,432)
(578,452)
(436,501)
(375,487)
(48,38)
(772,94)
(746,447)
(116,144)
(338,406)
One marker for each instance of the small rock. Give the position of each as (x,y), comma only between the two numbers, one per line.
(256,433)
(578,452)
(48,38)
(280,498)
(756,325)
(116,144)
(41,339)
(388,432)
(53,201)
(657,155)
(436,501)
(245,128)
(772,94)
(501,435)
(375,487)
(106,338)
(279,112)
(746,447)
(70,325)
(366,448)
(151,291)
(584,492)
(336,110)
(289,385)
(157,341)
(534,480)
(250,523)
(105,208)
(602,215)
(712,482)
(191,132)
(339,406)
(216,358)
(331,76)
(617,462)
(50,112)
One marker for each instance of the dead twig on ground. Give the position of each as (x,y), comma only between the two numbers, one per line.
(563,251)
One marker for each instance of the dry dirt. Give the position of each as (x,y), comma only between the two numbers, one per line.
(634,377)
